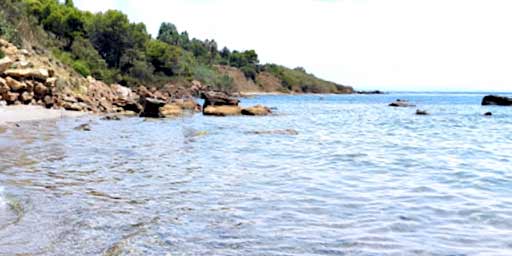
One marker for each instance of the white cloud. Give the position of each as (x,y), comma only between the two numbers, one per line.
(393,44)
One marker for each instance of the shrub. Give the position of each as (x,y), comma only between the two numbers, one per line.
(82,68)
(2,54)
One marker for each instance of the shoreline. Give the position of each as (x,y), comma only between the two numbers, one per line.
(28,113)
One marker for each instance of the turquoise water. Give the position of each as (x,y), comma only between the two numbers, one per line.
(359,178)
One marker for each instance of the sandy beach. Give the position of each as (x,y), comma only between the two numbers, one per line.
(22,113)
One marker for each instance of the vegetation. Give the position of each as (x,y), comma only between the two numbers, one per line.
(299,80)
(111,48)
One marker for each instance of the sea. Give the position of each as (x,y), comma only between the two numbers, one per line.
(323,175)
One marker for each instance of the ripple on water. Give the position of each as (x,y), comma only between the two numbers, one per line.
(359,178)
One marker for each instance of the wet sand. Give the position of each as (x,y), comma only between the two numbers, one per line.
(23,113)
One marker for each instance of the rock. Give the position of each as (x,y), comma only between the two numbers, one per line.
(188,104)
(421,112)
(48,101)
(50,82)
(74,106)
(123,93)
(83,127)
(29,73)
(40,90)
(142,91)
(151,107)
(11,97)
(5,63)
(26,97)
(257,110)
(3,103)
(171,110)
(496,100)
(370,92)
(277,132)
(222,111)
(3,86)
(111,118)
(218,99)
(15,85)
(401,103)
(488,114)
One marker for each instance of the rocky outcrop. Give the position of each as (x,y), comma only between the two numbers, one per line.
(40,74)
(216,98)
(257,110)
(401,103)
(496,100)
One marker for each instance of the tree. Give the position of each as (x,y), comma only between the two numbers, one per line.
(168,33)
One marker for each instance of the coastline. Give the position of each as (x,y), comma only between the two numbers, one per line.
(27,113)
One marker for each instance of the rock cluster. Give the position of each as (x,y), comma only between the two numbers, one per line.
(223,104)
(21,82)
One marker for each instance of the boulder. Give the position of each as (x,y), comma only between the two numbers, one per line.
(188,104)
(171,110)
(11,97)
(80,106)
(151,107)
(496,100)
(48,101)
(420,112)
(3,86)
(40,90)
(222,111)
(401,103)
(213,98)
(142,91)
(15,85)
(26,97)
(5,63)
(257,110)
(488,114)
(29,73)
(123,93)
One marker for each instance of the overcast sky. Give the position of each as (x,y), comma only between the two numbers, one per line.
(370,44)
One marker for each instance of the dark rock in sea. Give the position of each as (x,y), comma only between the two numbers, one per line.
(401,103)
(496,100)
(420,112)
(83,127)
(370,92)
(151,107)
(488,114)
(111,118)
(214,98)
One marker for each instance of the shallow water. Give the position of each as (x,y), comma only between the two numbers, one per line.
(360,178)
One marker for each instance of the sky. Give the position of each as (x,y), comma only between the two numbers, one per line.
(405,45)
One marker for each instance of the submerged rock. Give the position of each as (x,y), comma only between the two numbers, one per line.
(496,100)
(222,111)
(277,132)
(111,118)
(83,127)
(258,110)
(488,114)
